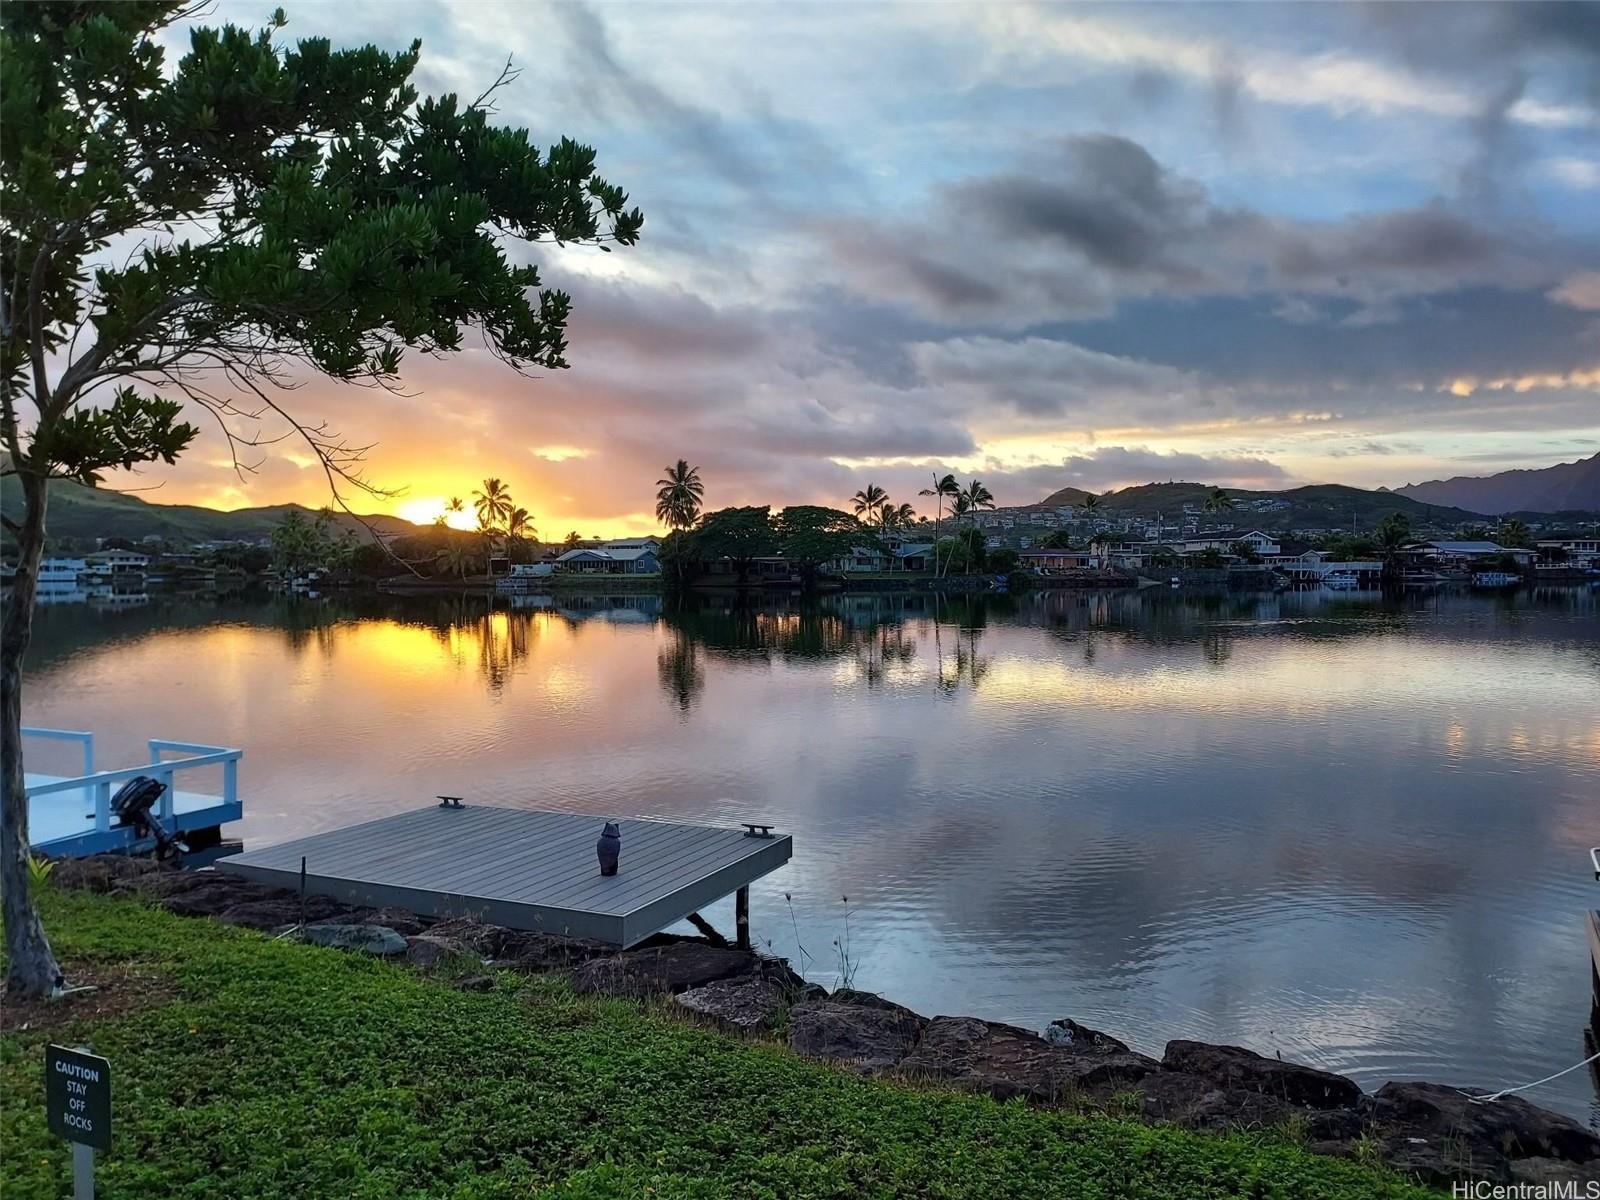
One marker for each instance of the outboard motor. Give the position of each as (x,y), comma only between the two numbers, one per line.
(133,806)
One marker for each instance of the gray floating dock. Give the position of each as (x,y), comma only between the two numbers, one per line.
(522,868)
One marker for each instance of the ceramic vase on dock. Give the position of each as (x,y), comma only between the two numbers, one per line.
(609,848)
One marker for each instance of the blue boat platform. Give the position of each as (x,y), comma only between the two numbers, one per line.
(70,816)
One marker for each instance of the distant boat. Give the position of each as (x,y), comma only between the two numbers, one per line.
(1341,581)
(1495,579)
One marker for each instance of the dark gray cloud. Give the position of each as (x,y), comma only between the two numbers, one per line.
(1472,38)
(1041,377)
(1108,200)
(1101,222)
(1424,246)
(1247,341)
(1120,466)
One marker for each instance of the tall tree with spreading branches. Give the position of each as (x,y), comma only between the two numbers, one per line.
(197,241)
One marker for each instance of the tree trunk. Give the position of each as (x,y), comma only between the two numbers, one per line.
(32,970)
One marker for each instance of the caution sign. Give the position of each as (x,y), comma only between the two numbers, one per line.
(77,1096)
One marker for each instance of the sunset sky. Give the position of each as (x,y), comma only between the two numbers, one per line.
(1044,245)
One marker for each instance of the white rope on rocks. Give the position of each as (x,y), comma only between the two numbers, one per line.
(1522,1087)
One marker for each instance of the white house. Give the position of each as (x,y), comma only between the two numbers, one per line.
(118,562)
(1580,552)
(59,573)
(1465,553)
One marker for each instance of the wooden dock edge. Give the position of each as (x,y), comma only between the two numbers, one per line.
(1592,919)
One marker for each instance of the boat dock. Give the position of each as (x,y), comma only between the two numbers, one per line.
(69,816)
(527,869)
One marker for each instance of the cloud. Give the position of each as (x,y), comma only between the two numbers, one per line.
(1471,39)
(1033,42)
(1580,174)
(1096,221)
(1128,466)
(1044,377)
(1579,291)
(1100,245)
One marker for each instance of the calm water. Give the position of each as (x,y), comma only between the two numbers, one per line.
(1351,832)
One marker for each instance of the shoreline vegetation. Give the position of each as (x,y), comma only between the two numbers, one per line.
(457,1058)
(251,1066)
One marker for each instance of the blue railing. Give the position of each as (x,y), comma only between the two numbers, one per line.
(160,768)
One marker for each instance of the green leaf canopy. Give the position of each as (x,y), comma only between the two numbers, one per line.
(213,230)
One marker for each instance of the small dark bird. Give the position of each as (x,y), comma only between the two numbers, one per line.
(608,848)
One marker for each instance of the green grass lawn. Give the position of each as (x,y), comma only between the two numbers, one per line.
(255,1067)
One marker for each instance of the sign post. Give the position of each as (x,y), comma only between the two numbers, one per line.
(77,1097)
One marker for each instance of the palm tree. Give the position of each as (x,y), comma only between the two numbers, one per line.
(899,516)
(896,518)
(451,506)
(572,541)
(969,500)
(1219,501)
(942,487)
(678,496)
(1394,534)
(493,506)
(869,503)
(1091,504)
(455,559)
(978,496)
(492,503)
(519,528)
(1514,532)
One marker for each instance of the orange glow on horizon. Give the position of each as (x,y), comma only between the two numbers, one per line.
(427,511)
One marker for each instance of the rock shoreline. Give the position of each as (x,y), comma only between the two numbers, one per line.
(1435,1132)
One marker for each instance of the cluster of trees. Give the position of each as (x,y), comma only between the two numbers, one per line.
(806,534)
(872,506)
(300,546)
(504,528)
(1392,535)
(810,535)
(211,231)
(965,551)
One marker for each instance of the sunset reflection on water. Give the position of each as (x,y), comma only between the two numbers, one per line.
(1348,831)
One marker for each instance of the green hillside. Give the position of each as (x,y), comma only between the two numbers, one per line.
(1323,505)
(1067,495)
(83,512)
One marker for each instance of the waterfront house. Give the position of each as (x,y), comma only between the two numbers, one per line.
(1465,553)
(895,555)
(610,559)
(59,574)
(118,564)
(1263,545)
(1577,551)
(1052,561)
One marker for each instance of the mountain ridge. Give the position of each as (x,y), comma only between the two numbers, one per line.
(1563,487)
(1318,505)
(76,511)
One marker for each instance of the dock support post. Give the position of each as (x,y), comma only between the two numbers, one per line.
(741,917)
(707,930)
